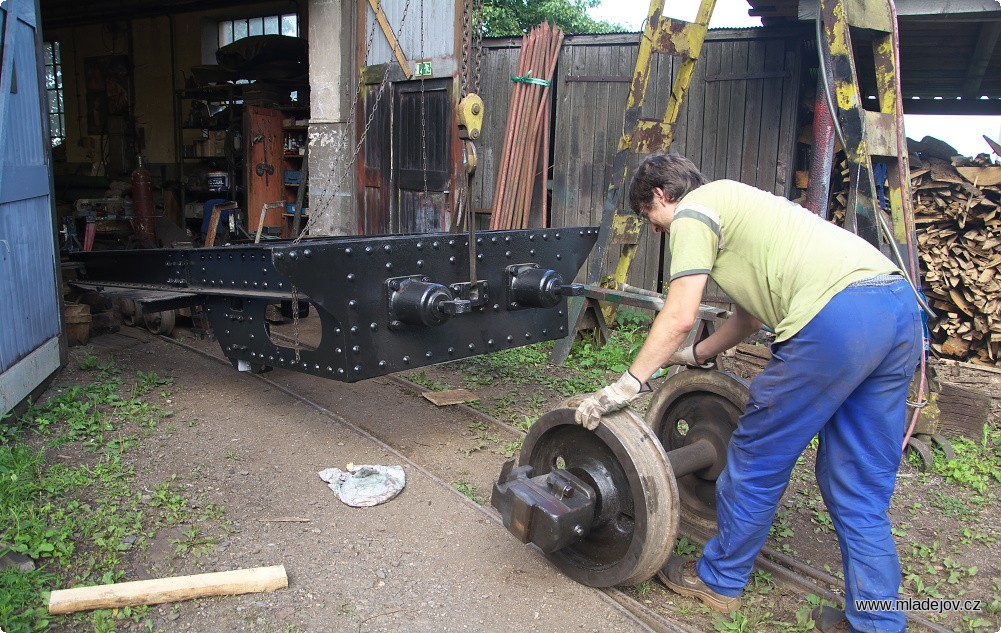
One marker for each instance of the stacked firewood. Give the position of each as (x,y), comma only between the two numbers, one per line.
(958,227)
(959,244)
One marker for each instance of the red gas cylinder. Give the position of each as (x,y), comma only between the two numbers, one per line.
(142,204)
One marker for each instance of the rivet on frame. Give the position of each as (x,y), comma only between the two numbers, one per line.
(472,347)
(354,329)
(406,360)
(357,368)
(373,326)
(420,263)
(545,332)
(428,355)
(330,369)
(490,342)
(532,252)
(340,370)
(316,367)
(451,260)
(419,246)
(435,245)
(356,349)
(451,350)
(387,248)
(389,265)
(493,240)
(382,363)
(348,251)
(351,276)
(557,235)
(507,254)
(368,249)
(353,303)
(528,335)
(558,256)
(510,339)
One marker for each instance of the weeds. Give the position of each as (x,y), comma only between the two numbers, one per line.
(75,520)
(467,489)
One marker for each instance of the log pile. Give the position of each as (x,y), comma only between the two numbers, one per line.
(958,226)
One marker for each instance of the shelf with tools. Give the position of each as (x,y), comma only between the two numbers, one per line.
(295,139)
(209,149)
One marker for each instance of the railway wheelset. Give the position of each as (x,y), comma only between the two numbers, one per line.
(604,506)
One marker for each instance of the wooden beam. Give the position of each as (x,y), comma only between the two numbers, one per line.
(161,590)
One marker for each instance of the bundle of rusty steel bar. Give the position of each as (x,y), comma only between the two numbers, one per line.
(527,128)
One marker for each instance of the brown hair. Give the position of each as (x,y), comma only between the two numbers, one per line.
(674,174)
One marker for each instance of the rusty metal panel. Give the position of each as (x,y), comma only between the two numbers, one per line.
(29,310)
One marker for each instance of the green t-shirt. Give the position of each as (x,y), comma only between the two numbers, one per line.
(774,258)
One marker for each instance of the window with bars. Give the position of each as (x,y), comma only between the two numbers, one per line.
(54,92)
(232,30)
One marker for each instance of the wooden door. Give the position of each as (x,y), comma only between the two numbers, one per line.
(263,167)
(423,155)
(30,348)
(373,161)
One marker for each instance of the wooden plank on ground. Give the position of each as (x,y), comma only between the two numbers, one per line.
(450,396)
(161,590)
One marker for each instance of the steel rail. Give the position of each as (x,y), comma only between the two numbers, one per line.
(790,573)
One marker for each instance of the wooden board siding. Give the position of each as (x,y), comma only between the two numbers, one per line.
(739,121)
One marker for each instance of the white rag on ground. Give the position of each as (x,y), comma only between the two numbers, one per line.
(365,485)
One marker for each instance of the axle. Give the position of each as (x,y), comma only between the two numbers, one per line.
(559,508)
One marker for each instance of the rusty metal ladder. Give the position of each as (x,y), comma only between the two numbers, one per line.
(619,226)
(866,134)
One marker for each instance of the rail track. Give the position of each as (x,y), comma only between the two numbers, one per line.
(794,576)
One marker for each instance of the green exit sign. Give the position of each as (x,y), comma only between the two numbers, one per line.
(424,69)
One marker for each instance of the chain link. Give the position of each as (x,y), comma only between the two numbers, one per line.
(477,43)
(324,204)
(424,141)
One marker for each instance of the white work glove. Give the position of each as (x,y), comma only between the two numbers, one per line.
(612,398)
(686,356)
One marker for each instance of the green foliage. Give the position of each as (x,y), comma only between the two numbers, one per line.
(22,601)
(976,464)
(76,519)
(467,489)
(617,354)
(503,18)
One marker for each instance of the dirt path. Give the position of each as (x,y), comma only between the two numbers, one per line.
(428,560)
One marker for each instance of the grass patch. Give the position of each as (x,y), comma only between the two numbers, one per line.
(76,514)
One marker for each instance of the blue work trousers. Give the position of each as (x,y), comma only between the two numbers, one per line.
(844,376)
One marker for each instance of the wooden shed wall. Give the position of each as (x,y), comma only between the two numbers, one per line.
(739,120)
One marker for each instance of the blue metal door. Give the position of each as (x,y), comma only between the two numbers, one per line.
(29,300)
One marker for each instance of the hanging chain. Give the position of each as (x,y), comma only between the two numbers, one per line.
(424,141)
(467,39)
(477,43)
(323,204)
(472,50)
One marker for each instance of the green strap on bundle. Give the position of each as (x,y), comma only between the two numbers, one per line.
(528,79)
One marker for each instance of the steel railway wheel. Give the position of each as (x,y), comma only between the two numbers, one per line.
(696,406)
(636,511)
